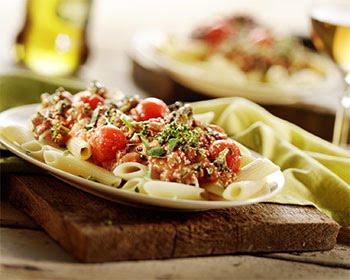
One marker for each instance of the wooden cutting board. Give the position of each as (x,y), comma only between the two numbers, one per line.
(96,230)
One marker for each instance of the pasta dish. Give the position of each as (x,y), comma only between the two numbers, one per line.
(141,145)
(243,50)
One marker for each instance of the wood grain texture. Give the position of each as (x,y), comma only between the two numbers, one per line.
(96,230)
(13,218)
(344,236)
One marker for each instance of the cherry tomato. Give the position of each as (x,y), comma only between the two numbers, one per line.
(106,141)
(260,36)
(86,97)
(233,159)
(218,32)
(151,108)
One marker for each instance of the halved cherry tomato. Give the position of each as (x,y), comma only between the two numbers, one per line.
(151,108)
(233,157)
(86,97)
(218,32)
(106,141)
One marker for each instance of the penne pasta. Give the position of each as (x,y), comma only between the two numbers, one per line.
(243,190)
(17,134)
(214,188)
(51,148)
(79,148)
(172,190)
(81,168)
(34,148)
(246,159)
(134,185)
(256,170)
(130,170)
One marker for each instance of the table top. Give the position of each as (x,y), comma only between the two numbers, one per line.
(27,252)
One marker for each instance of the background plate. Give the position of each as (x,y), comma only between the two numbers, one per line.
(144,49)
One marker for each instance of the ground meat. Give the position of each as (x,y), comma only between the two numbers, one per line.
(176,147)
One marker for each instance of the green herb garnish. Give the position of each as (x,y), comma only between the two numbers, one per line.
(62,105)
(126,122)
(94,119)
(144,141)
(209,171)
(172,144)
(156,152)
(153,152)
(220,161)
(197,167)
(58,131)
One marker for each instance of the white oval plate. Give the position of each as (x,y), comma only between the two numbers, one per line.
(20,116)
(144,47)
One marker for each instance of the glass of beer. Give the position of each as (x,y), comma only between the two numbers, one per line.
(331,34)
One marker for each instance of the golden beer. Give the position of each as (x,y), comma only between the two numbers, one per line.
(53,38)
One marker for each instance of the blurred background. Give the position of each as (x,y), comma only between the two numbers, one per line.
(112,25)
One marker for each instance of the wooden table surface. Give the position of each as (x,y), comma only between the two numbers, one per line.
(27,252)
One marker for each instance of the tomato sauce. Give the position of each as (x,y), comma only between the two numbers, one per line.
(168,139)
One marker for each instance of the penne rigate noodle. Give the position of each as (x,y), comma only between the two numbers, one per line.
(34,148)
(79,148)
(214,188)
(17,134)
(130,170)
(246,159)
(256,170)
(243,190)
(172,190)
(264,190)
(134,185)
(71,164)
(51,148)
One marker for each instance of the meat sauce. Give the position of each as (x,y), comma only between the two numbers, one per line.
(250,45)
(169,140)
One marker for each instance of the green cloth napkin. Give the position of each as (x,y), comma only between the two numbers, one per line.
(317,172)
(20,88)
(23,87)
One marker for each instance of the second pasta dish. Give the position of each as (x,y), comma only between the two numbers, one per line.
(224,56)
(141,145)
